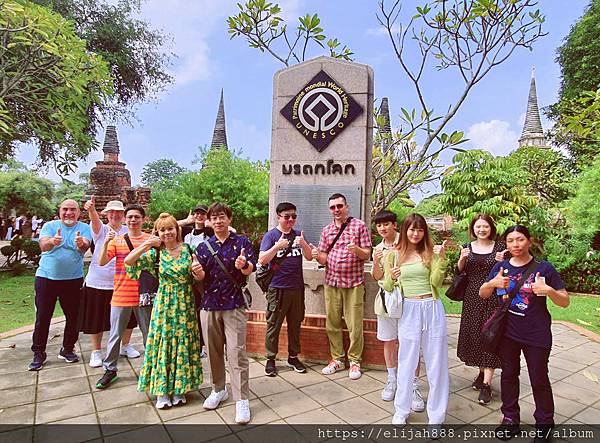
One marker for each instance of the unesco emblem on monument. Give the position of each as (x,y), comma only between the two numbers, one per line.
(321,110)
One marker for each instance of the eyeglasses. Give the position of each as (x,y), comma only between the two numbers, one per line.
(288,216)
(338,207)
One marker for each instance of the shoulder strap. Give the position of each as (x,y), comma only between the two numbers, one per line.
(532,267)
(344,225)
(221,264)
(128,241)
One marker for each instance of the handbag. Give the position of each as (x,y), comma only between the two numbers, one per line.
(493,329)
(456,291)
(148,282)
(264,274)
(245,291)
(393,301)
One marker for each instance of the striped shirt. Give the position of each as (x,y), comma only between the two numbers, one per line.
(127,290)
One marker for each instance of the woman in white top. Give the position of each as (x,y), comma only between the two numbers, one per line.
(99,283)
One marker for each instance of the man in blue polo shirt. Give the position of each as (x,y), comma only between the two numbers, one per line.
(222,316)
(60,276)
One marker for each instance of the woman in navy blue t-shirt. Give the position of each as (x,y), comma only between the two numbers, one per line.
(527,328)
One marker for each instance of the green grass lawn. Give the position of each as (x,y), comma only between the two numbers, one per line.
(17,301)
(583,311)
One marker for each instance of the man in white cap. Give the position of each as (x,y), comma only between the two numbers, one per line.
(59,277)
(99,283)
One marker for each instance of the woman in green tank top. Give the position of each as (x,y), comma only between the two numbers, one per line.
(418,268)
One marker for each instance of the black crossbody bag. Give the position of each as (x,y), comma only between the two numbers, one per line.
(148,283)
(264,274)
(245,291)
(456,291)
(493,329)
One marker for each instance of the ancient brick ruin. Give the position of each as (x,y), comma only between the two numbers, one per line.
(111,180)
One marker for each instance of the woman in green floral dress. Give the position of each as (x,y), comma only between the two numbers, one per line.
(172,365)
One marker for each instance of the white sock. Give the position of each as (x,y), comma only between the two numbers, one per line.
(392,373)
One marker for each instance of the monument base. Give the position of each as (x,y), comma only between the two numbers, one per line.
(313,336)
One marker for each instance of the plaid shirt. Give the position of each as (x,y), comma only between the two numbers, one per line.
(344,269)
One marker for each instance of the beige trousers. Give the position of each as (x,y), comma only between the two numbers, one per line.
(222,328)
(346,302)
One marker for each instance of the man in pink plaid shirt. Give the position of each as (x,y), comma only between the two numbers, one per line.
(344,283)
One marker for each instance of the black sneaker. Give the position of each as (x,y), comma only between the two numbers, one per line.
(478,382)
(296,364)
(485,394)
(68,356)
(107,379)
(39,358)
(270,368)
(507,429)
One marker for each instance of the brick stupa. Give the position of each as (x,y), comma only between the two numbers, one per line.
(111,180)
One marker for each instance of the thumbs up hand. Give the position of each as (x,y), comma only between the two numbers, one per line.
(299,240)
(110,235)
(241,261)
(378,256)
(282,243)
(314,252)
(57,239)
(90,205)
(441,249)
(500,280)
(196,266)
(539,287)
(500,255)
(79,240)
(352,247)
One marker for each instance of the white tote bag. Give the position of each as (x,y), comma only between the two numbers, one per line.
(394,300)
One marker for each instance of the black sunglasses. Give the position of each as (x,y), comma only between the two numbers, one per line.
(338,206)
(288,216)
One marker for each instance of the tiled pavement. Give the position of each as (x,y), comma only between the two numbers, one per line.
(65,394)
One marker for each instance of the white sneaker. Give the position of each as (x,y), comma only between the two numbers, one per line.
(389,390)
(179,400)
(129,352)
(399,421)
(213,400)
(203,352)
(242,412)
(417,404)
(96,359)
(333,367)
(162,402)
(354,372)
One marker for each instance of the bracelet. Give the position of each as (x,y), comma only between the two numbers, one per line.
(246,266)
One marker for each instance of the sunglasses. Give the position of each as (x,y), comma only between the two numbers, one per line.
(288,216)
(338,207)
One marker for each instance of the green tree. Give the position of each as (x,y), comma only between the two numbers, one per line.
(156,173)
(579,60)
(68,189)
(260,22)
(26,192)
(225,177)
(479,182)
(431,206)
(49,83)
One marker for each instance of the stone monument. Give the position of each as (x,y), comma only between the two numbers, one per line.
(111,180)
(322,143)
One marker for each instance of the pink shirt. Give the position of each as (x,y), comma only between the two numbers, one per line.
(344,269)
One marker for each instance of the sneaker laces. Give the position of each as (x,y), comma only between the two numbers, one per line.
(333,364)
(244,406)
(354,367)
(417,394)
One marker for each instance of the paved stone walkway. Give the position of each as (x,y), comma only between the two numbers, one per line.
(65,393)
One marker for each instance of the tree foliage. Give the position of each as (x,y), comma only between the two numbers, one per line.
(49,83)
(260,22)
(26,193)
(158,172)
(68,189)
(134,51)
(577,111)
(225,177)
(481,183)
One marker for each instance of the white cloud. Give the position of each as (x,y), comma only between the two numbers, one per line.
(521,120)
(494,136)
(380,31)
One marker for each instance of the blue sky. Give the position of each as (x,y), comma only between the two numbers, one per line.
(183,117)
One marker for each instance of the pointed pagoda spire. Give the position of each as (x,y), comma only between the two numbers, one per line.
(219,139)
(111,144)
(533,133)
(386,130)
